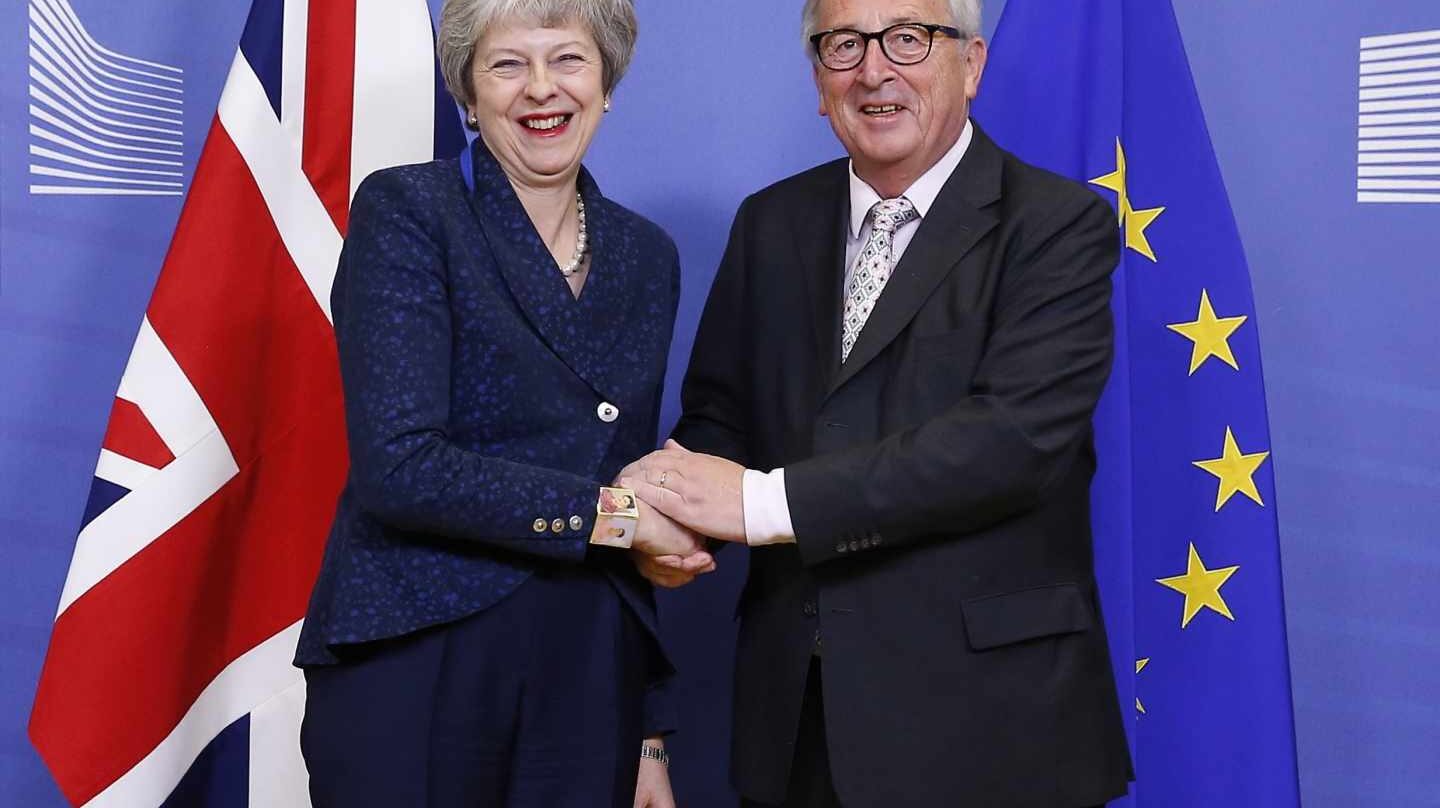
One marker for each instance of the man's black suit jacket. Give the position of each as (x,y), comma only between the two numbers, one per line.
(938,482)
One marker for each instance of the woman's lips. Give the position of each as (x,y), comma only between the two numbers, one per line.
(546,125)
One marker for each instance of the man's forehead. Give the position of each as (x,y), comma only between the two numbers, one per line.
(863,13)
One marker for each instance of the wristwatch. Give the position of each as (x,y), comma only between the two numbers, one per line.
(655,753)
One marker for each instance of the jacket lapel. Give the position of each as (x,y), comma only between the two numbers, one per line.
(820,251)
(571,328)
(955,223)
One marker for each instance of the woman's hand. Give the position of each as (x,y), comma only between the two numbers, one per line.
(652,786)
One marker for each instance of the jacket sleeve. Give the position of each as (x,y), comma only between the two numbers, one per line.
(715,417)
(393,331)
(993,454)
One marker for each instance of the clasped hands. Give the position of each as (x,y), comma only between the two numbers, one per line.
(684,497)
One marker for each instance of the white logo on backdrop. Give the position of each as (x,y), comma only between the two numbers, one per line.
(101,123)
(1400,118)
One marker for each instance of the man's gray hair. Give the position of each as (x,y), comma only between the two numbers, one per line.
(964,14)
(462,22)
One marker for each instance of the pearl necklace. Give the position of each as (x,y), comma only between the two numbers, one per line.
(582,242)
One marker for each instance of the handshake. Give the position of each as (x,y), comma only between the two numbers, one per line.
(684,497)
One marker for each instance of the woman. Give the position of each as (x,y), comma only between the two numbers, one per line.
(503,331)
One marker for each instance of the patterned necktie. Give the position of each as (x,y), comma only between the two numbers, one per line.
(872,270)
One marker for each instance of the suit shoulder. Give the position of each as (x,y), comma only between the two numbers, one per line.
(1042,193)
(799,188)
(421,181)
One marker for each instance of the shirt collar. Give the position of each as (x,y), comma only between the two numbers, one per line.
(921,194)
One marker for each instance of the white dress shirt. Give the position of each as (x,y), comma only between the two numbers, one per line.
(767,512)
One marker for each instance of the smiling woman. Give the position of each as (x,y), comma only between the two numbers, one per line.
(477,635)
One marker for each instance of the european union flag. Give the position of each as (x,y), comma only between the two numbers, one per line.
(1186,542)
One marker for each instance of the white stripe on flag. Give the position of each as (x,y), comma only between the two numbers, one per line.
(122,471)
(154,382)
(294,49)
(304,225)
(278,778)
(146,514)
(394,121)
(248,682)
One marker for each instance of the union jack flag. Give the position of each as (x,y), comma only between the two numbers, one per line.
(168,680)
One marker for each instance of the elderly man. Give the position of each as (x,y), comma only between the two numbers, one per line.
(905,349)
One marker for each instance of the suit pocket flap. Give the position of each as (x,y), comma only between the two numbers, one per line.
(997,620)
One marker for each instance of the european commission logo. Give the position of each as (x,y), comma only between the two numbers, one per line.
(101,123)
(1400,118)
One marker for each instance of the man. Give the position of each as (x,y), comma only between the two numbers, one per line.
(914,340)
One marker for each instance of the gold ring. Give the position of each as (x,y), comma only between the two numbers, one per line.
(663,476)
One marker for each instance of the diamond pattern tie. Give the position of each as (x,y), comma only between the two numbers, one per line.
(872,269)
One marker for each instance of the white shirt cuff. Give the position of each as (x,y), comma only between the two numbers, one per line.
(767,512)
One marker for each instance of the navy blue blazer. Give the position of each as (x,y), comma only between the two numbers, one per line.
(484,403)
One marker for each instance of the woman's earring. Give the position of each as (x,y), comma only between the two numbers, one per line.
(473,122)
(606,107)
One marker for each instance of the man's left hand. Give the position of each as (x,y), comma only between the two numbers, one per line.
(700,491)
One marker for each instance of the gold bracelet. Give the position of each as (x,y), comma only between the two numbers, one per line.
(617,518)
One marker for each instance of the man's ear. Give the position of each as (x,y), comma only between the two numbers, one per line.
(819,93)
(977,51)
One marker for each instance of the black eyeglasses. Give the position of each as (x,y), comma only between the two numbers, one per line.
(908,43)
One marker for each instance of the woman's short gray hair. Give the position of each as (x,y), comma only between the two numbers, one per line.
(964,14)
(463,22)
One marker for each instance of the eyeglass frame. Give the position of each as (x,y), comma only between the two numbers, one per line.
(879,36)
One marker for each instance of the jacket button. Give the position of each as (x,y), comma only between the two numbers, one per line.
(875,539)
(576,523)
(840,547)
(865,544)
(809,609)
(608,412)
(539,526)
(854,544)
(558,526)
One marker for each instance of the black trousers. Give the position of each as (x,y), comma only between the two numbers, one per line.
(533,703)
(810,784)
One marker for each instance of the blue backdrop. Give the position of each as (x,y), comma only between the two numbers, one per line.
(1344,294)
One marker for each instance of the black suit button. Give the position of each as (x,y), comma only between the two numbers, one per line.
(809,609)
(854,544)
(864,544)
(840,547)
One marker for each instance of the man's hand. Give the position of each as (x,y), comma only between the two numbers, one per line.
(700,491)
(659,535)
(673,572)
